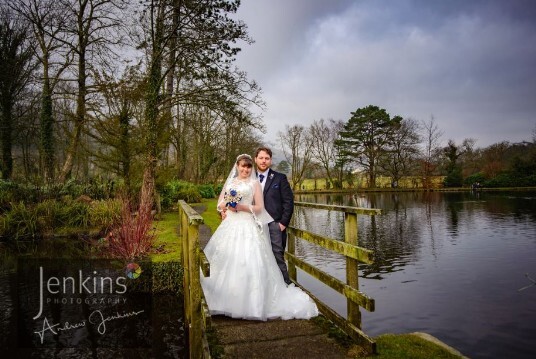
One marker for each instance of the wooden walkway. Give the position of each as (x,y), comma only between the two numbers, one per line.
(282,339)
(275,339)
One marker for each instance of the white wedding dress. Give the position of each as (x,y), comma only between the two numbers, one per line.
(245,281)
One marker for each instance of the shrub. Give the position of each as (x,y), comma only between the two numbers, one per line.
(20,222)
(206,191)
(474,178)
(176,190)
(133,236)
(77,215)
(51,214)
(105,213)
(218,188)
(501,180)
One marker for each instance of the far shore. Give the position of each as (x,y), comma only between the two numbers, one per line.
(450,189)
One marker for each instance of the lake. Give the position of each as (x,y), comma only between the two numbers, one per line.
(457,265)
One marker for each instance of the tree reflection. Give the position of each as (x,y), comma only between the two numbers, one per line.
(409,222)
(394,236)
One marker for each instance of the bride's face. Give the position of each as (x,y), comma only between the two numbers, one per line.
(244,169)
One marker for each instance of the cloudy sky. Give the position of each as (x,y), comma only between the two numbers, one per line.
(471,64)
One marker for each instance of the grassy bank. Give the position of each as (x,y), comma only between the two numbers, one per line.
(167,245)
(410,346)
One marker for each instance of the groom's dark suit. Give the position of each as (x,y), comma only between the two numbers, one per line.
(278,197)
(279,203)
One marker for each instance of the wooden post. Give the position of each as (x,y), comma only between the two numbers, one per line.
(186,265)
(291,239)
(352,275)
(196,330)
(189,230)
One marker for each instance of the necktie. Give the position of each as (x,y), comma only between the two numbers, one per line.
(261,178)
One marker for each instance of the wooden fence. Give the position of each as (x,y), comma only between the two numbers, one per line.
(354,255)
(197,317)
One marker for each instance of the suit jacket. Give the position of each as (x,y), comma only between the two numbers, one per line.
(278,197)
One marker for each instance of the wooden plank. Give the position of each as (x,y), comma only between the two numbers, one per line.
(352,274)
(195,330)
(204,263)
(355,333)
(351,293)
(349,250)
(347,209)
(193,216)
(291,248)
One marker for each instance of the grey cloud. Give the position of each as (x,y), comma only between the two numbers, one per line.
(469,63)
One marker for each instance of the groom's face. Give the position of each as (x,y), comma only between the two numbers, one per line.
(263,161)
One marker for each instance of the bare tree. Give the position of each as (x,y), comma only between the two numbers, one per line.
(48,25)
(113,128)
(401,151)
(92,27)
(297,146)
(16,67)
(431,147)
(323,136)
(494,159)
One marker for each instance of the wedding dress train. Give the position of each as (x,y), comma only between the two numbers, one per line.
(245,281)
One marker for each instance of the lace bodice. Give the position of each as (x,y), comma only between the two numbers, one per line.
(244,188)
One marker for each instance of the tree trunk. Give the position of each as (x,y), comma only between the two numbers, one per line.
(6,133)
(47,131)
(152,109)
(79,120)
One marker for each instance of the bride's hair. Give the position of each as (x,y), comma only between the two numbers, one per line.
(248,161)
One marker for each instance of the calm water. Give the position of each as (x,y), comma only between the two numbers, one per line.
(449,264)
(150,325)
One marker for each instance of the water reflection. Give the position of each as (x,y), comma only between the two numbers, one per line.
(439,256)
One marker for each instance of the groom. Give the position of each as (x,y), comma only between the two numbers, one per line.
(278,202)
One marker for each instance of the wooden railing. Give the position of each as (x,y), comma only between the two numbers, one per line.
(354,254)
(197,317)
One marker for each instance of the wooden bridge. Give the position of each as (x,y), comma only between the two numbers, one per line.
(278,338)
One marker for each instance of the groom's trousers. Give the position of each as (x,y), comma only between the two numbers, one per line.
(279,242)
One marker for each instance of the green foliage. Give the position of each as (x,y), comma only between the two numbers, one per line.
(21,222)
(96,189)
(11,192)
(167,277)
(206,191)
(365,137)
(105,213)
(454,178)
(509,179)
(477,177)
(218,188)
(501,180)
(24,221)
(176,190)
(52,214)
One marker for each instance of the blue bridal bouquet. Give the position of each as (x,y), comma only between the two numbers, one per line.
(232,197)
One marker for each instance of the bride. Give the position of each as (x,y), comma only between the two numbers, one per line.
(245,281)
